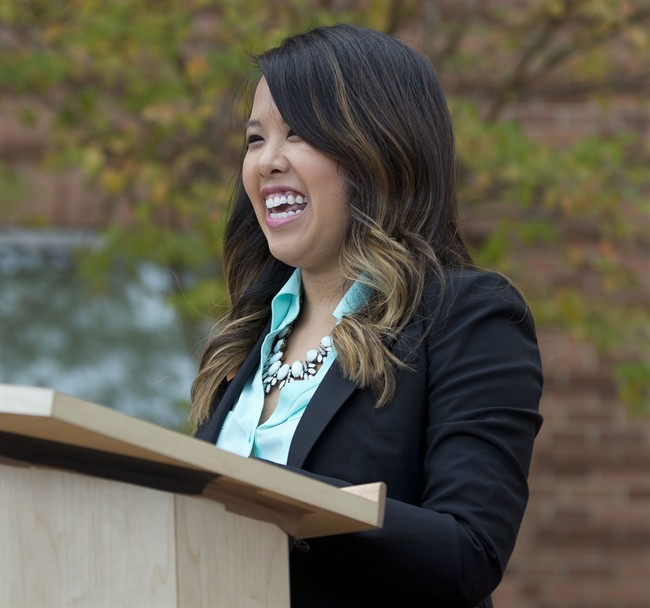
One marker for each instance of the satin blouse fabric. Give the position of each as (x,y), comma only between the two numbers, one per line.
(453,446)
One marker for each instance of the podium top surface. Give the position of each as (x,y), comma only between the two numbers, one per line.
(49,428)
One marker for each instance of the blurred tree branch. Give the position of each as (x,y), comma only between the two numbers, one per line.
(540,57)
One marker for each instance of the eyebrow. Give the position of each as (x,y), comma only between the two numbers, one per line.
(252,123)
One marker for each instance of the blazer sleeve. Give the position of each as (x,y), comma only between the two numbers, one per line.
(484,383)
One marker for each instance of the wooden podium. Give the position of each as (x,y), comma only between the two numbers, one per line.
(101,509)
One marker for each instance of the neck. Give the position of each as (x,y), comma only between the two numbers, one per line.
(321,294)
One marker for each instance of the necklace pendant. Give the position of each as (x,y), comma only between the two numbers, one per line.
(297,369)
(278,373)
(276,365)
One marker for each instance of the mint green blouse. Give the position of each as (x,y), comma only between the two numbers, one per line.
(241,432)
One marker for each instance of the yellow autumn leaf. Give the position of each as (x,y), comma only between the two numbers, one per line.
(608,251)
(554,8)
(639,37)
(158,113)
(113,181)
(196,67)
(576,255)
(159,192)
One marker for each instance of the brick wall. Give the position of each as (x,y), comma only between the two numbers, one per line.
(585,540)
(586,536)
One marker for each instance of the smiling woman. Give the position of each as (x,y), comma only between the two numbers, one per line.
(362,344)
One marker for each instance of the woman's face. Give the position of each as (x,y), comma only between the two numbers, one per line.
(296,190)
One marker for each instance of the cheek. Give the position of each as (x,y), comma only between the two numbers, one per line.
(251,186)
(248,177)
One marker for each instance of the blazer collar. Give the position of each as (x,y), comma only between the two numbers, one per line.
(334,390)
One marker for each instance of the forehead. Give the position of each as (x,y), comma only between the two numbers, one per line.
(264,108)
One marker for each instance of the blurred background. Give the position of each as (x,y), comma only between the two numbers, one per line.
(120,136)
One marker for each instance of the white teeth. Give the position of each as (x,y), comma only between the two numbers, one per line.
(277,200)
(280,216)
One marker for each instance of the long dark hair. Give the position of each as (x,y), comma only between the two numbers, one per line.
(376,106)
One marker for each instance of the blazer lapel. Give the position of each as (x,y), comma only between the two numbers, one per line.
(211,430)
(332,393)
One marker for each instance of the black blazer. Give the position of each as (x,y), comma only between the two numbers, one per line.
(453,446)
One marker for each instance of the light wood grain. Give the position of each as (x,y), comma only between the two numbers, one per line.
(228,561)
(71,540)
(47,414)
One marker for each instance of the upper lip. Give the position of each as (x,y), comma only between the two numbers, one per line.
(279,189)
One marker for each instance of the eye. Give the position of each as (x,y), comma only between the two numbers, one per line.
(292,133)
(252,139)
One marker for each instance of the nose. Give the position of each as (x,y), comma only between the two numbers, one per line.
(272,159)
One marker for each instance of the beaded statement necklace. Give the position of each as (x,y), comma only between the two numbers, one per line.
(278,373)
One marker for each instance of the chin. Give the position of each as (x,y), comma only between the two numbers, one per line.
(285,257)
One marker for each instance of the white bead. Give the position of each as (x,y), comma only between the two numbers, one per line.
(326,342)
(274,368)
(275,357)
(312,354)
(283,371)
(297,369)
(278,345)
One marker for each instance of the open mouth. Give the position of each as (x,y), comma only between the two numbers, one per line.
(285,205)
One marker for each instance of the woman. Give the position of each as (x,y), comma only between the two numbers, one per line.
(362,344)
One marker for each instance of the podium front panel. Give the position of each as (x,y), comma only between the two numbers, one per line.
(79,541)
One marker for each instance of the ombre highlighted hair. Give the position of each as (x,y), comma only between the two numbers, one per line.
(377,107)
